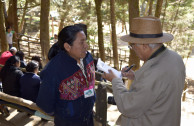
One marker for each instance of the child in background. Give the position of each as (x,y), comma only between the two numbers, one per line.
(9,36)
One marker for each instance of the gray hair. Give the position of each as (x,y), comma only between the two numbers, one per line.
(154,45)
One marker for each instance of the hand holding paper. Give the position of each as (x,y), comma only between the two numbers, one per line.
(104,67)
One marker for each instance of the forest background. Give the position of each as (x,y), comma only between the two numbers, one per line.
(104,18)
(106,21)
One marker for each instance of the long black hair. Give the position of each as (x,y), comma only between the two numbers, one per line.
(8,64)
(68,35)
(20,54)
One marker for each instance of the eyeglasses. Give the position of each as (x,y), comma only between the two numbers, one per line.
(131,45)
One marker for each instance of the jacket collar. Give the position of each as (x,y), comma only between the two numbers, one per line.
(149,63)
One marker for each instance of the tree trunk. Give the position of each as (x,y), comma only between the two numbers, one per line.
(158,8)
(100,29)
(146,9)
(166,4)
(15,22)
(3,40)
(150,7)
(23,18)
(10,14)
(114,36)
(176,15)
(123,18)
(5,14)
(12,19)
(15,17)
(53,28)
(44,30)
(133,12)
(62,16)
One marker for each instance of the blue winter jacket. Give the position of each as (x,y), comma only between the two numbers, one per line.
(29,86)
(62,90)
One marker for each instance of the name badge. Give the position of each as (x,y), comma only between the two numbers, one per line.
(88,92)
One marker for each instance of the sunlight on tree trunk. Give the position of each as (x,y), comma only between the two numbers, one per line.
(166,4)
(10,14)
(176,15)
(146,9)
(62,16)
(3,40)
(5,14)
(114,37)
(15,22)
(44,30)
(158,8)
(12,19)
(150,7)
(98,4)
(133,12)
(23,18)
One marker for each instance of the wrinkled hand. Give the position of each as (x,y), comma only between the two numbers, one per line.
(130,74)
(109,76)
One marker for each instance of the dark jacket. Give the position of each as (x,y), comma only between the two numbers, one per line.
(62,90)
(29,86)
(10,80)
(22,64)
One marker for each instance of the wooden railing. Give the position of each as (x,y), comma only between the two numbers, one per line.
(31,46)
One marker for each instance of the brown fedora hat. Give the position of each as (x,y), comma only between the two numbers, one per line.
(146,30)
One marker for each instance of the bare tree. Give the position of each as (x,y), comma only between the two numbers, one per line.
(114,36)
(23,17)
(150,7)
(44,29)
(166,4)
(176,16)
(12,19)
(10,14)
(98,4)
(5,13)
(3,40)
(62,15)
(133,12)
(158,8)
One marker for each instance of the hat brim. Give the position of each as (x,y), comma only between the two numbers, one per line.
(165,38)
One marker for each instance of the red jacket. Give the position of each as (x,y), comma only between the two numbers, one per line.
(4,57)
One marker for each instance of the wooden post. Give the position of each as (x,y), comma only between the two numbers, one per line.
(28,47)
(52,27)
(101,104)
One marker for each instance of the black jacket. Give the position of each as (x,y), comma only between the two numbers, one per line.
(10,80)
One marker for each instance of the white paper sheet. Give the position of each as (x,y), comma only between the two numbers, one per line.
(104,67)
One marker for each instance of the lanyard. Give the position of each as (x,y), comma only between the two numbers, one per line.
(81,65)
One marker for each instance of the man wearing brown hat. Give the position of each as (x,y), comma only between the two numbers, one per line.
(154,98)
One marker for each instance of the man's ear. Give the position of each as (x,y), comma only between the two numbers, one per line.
(67,47)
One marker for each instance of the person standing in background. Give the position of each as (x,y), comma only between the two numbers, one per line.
(9,36)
